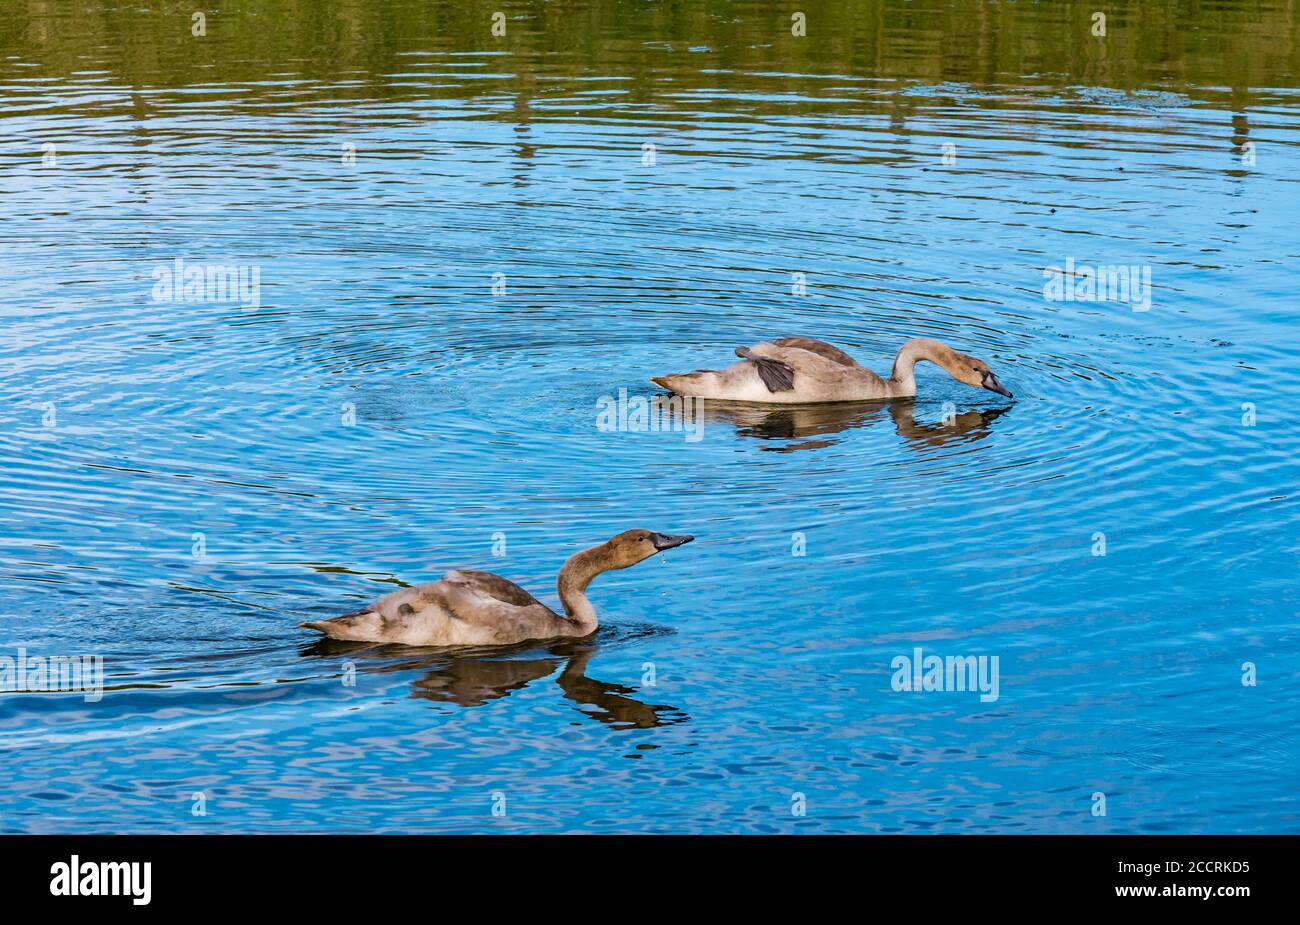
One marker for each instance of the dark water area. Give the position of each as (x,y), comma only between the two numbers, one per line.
(465,243)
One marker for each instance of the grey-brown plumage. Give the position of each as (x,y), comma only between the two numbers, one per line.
(777,376)
(801,370)
(819,347)
(468,607)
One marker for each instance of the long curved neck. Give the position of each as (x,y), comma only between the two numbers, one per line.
(576,574)
(902,380)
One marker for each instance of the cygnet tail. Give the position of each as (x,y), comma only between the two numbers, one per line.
(702,383)
(360,625)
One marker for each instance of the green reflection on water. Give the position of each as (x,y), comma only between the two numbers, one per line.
(663,49)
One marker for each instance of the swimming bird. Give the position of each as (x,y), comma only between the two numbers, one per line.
(797,370)
(469,608)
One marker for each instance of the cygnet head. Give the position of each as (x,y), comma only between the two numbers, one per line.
(974,371)
(633,546)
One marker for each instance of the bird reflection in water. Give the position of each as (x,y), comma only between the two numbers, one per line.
(471,680)
(812,424)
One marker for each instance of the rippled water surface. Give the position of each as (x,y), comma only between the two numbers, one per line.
(182,483)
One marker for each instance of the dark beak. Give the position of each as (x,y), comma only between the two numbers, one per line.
(993,385)
(668,541)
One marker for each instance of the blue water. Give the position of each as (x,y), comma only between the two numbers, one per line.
(382,416)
